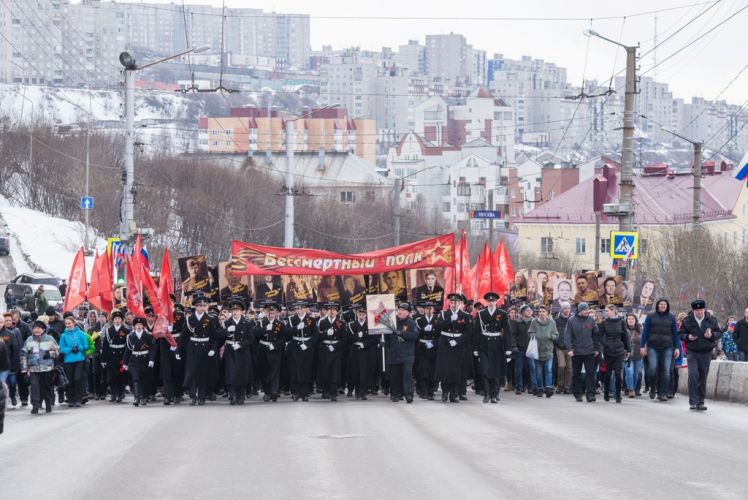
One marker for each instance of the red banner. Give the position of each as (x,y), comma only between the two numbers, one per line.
(248,258)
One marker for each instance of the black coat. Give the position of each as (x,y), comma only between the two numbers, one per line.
(450,360)
(613,337)
(740,336)
(492,349)
(690,326)
(238,362)
(113,345)
(401,345)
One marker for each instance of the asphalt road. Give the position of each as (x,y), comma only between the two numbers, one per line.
(524,447)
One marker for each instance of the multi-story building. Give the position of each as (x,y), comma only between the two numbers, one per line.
(251,131)
(447,57)
(31,48)
(450,182)
(532,87)
(77,44)
(458,121)
(411,57)
(349,81)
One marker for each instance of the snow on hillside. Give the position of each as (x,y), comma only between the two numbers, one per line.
(43,243)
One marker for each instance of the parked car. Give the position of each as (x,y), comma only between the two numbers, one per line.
(25,285)
(4,244)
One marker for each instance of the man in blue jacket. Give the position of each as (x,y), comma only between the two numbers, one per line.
(400,355)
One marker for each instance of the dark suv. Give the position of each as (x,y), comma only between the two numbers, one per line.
(4,244)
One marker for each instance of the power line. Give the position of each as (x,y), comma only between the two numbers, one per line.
(427,18)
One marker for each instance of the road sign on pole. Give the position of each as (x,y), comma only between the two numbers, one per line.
(485,214)
(624,245)
(87,202)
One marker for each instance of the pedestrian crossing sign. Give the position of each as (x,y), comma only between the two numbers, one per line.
(624,245)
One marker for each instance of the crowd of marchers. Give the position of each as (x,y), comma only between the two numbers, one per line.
(308,350)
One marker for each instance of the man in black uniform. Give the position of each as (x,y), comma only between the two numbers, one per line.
(363,353)
(112,356)
(140,355)
(172,369)
(332,330)
(426,351)
(400,355)
(197,343)
(454,326)
(237,355)
(270,331)
(490,345)
(700,331)
(302,330)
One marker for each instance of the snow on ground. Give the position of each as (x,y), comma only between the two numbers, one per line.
(43,243)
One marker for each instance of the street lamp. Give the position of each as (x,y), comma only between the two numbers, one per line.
(625,205)
(127,210)
(31,128)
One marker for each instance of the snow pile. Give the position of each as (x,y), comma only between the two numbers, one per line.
(43,243)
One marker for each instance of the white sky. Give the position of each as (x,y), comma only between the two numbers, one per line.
(703,69)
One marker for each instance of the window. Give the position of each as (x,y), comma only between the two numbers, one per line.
(514,211)
(447,207)
(463,190)
(581,246)
(546,245)
(642,246)
(513,193)
(605,245)
(346,196)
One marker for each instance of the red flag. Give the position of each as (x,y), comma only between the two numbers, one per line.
(106,282)
(134,287)
(462,265)
(499,282)
(151,288)
(166,288)
(470,286)
(100,285)
(456,280)
(484,273)
(504,268)
(77,286)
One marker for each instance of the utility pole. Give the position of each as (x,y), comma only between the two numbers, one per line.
(289,217)
(625,209)
(88,148)
(128,204)
(697,185)
(396,210)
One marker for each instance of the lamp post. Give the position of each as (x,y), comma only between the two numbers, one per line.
(127,210)
(626,185)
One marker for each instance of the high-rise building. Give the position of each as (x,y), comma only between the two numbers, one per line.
(447,57)
(349,81)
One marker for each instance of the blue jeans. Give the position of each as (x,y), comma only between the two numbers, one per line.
(541,373)
(661,359)
(519,370)
(633,370)
(9,378)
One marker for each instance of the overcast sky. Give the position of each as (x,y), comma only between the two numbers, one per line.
(703,69)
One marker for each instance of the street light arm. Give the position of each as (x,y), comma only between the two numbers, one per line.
(598,35)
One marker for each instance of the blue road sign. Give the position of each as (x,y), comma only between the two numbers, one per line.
(486,214)
(87,202)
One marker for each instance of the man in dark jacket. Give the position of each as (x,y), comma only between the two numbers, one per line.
(700,331)
(741,337)
(563,360)
(14,343)
(660,343)
(580,338)
(520,340)
(400,355)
